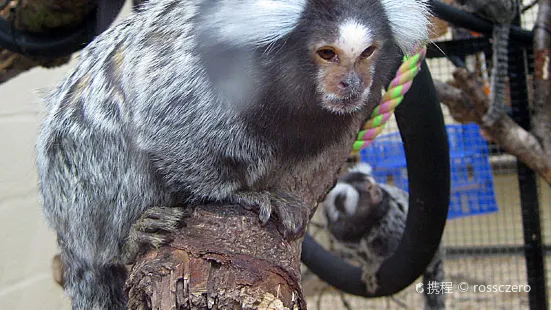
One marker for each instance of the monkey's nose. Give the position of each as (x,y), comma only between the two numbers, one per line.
(344,84)
(351,83)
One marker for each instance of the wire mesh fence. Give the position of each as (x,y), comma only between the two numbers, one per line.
(486,243)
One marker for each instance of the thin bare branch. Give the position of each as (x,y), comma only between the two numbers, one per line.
(505,132)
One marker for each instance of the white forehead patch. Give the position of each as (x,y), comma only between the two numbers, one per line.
(354,37)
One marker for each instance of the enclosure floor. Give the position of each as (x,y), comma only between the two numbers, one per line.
(471,270)
(502,228)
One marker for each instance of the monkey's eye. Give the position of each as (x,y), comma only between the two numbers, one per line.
(368,52)
(327,54)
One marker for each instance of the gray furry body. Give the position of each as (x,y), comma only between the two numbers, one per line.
(366,220)
(167,108)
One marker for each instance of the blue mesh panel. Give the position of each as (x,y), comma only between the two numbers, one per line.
(472,188)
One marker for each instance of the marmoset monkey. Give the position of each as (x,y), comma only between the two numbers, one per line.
(192,101)
(366,220)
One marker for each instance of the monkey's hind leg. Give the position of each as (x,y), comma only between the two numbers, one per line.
(292,213)
(153,229)
(369,273)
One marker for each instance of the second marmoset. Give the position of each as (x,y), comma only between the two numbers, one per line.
(366,220)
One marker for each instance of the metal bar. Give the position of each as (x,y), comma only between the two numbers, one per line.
(459,47)
(461,18)
(492,250)
(533,249)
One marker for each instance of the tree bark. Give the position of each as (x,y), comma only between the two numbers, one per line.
(39,16)
(541,119)
(460,106)
(223,259)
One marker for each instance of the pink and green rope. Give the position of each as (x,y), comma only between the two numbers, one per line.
(391,99)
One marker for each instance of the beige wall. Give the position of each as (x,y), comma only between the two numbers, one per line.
(27,245)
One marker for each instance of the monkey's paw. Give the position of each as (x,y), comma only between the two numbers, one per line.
(293,215)
(152,230)
(371,283)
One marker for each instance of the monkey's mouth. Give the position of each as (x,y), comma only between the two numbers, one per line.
(343,105)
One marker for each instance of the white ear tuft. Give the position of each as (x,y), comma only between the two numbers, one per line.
(410,23)
(362,167)
(255,22)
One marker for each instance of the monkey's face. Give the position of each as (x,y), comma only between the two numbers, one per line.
(333,53)
(346,67)
(355,195)
(369,191)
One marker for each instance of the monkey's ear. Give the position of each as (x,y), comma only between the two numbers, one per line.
(410,23)
(254,22)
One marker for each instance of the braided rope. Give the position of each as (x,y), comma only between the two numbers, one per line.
(393,96)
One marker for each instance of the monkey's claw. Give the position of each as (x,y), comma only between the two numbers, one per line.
(153,229)
(293,215)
